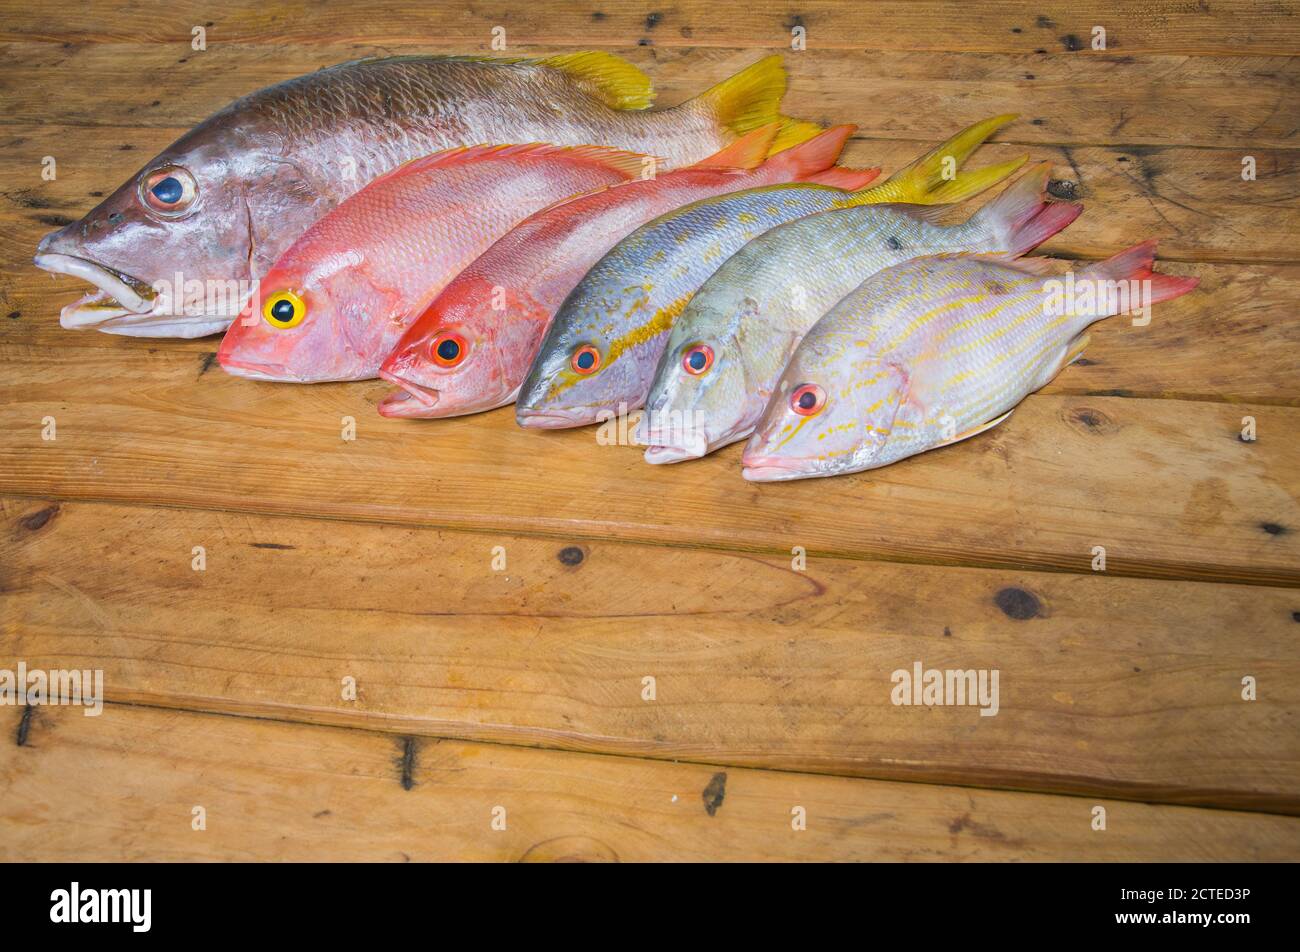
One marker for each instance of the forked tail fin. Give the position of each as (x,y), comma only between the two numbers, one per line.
(1021,218)
(934,179)
(1133,265)
(814,161)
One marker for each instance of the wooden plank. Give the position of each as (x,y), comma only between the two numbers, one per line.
(1094,99)
(1193,200)
(1168,487)
(124,786)
(1109,687)
(1132,26)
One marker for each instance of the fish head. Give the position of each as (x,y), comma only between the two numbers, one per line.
(583,372)
(172,252)
(316,317)
(831,413)
(464,354)
(701,391)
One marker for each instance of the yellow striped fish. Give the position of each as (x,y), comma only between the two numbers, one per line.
(601,350)
(936,350)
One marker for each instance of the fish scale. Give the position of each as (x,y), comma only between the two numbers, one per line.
(932,351)
(620,314)
(754,310)
(369,267)
(256,174)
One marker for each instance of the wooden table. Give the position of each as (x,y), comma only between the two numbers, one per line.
(521,692)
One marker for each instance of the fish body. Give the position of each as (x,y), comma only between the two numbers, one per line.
(933,351)
(496,310)
(726,350)
(600,353)
(173,252)
(339,299)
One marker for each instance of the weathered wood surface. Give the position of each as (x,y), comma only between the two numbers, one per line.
(1133,26)
(1113,687)
(1167,486)
(372,558)
(276,792)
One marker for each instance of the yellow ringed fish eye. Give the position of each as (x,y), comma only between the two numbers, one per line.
(284,309)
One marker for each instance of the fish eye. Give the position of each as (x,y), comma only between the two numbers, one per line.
(807,399)
(169,191)
(284,309)
(447,350)
(697,359)
(586,360)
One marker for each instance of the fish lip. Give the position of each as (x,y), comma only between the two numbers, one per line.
(254,371)
(768,469)
(133,295)
(400,402)
(555,418)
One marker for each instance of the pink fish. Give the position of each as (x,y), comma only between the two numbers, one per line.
(339,299)
(471,348)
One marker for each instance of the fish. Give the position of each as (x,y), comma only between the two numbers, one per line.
(470,349)
(176,250)
(937,350)
(727,348)
(601,351)
(340,297)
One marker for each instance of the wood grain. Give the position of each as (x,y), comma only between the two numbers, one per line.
(1133,26)
(128,782)
(1168,487)
(1111,687)
(1093,99)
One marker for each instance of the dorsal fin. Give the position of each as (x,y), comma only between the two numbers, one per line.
(747,152)
(618,83)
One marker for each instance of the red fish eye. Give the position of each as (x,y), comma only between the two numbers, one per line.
(170,190)
(586,360)
(447,350)
(697,359)
(807,399)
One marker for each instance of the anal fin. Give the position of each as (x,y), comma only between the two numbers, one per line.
(976,430)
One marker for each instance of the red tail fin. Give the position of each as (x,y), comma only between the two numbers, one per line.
(1134,264)
(1021,218)
(851,180)
(747,152)
(816,155)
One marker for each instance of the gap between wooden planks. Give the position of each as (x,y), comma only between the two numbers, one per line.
(1132,26)
(1092,99)
(125,785)
(1108,687)
(1168,487)
(1193,200)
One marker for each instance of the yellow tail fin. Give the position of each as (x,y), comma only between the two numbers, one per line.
(750,99)
(933,178)
(616,81)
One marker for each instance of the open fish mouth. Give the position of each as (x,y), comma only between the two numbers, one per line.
(122,303)
(412,400)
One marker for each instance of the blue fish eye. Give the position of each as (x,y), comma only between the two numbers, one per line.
(585,359)
(697,360)
(282,311)
(449,349)
(169,191)
(807,400)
